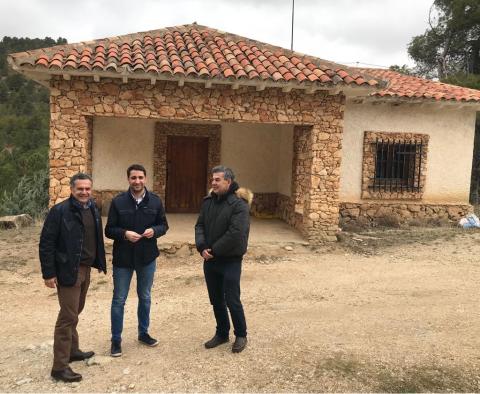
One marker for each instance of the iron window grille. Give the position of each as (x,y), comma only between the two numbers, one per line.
(398,165)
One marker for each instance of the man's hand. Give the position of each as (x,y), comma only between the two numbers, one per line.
(52,283)
(148,233)
(132,236)
(206,254)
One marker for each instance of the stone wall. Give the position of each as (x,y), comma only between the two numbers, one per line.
(264,205)
(103,198)
(74,102)
(371,213)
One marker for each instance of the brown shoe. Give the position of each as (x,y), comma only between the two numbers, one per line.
(80,356)
(239,344)
(215,341)
(66,375)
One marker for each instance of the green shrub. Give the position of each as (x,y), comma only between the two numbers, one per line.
(29,196)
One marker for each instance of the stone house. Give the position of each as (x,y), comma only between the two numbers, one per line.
(315,141)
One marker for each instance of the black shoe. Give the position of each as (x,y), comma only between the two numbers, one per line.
(66,375)
(215,341)
(239,344)
(116,349)
(80,356)
(147,340)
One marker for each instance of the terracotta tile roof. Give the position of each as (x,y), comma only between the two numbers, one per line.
(407,86)
(192,51)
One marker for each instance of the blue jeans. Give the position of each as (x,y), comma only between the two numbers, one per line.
(121,285)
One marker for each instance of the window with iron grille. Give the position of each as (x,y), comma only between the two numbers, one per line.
(398,165)
(394,165)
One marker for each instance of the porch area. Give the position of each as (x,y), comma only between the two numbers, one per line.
(262,232)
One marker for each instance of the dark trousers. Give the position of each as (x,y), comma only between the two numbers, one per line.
(72,301)
(223,284)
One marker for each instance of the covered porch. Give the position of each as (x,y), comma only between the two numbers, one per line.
(262,231)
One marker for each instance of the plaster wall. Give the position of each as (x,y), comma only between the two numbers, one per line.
(117,143)
(260,155)
(450,148)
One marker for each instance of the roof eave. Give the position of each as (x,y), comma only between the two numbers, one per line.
(417,101)
(43,75)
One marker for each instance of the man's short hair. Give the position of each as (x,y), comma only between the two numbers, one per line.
(79,176)
(227,172)
(136,167)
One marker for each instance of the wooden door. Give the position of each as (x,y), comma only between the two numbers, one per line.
(187,160)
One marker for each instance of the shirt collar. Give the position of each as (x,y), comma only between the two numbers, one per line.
(139,199)
(79,205)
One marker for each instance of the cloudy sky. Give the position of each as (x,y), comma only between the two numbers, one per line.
(372,32)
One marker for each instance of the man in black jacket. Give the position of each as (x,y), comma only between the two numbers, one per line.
(135,220)
(221,237)
(71,243)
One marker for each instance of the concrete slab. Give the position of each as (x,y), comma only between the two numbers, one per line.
(262,231)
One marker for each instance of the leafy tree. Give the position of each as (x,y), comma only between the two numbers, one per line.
(24,130)
(451,43)
(402,69)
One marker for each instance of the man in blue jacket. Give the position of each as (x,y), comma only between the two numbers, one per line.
(70,244)
(135,220)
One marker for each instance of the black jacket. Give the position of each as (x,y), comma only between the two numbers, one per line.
(125,215)
(224,224)
(61,241)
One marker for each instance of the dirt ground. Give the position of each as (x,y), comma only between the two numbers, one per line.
(385,310)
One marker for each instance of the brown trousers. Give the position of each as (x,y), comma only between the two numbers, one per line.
(72,301)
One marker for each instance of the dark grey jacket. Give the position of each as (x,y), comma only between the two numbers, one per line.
(61,241)
(224,224)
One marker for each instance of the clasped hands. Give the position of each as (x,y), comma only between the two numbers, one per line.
(132,236)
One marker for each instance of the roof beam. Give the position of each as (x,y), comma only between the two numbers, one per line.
(334,91)
(96,77)
(235,85)
(208,84)
(287,89)
(261,87)
(66,77)
(181,82)
(310,90)
(153,81)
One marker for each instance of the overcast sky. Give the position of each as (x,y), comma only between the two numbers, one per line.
(372,32)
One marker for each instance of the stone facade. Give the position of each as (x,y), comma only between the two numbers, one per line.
(264,205)
(74,102)
(371,213)
(103,198)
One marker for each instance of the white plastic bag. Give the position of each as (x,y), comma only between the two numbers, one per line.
(470,221)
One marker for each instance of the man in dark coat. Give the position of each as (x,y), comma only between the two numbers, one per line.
(135,220)
(221,237)
(71,243)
